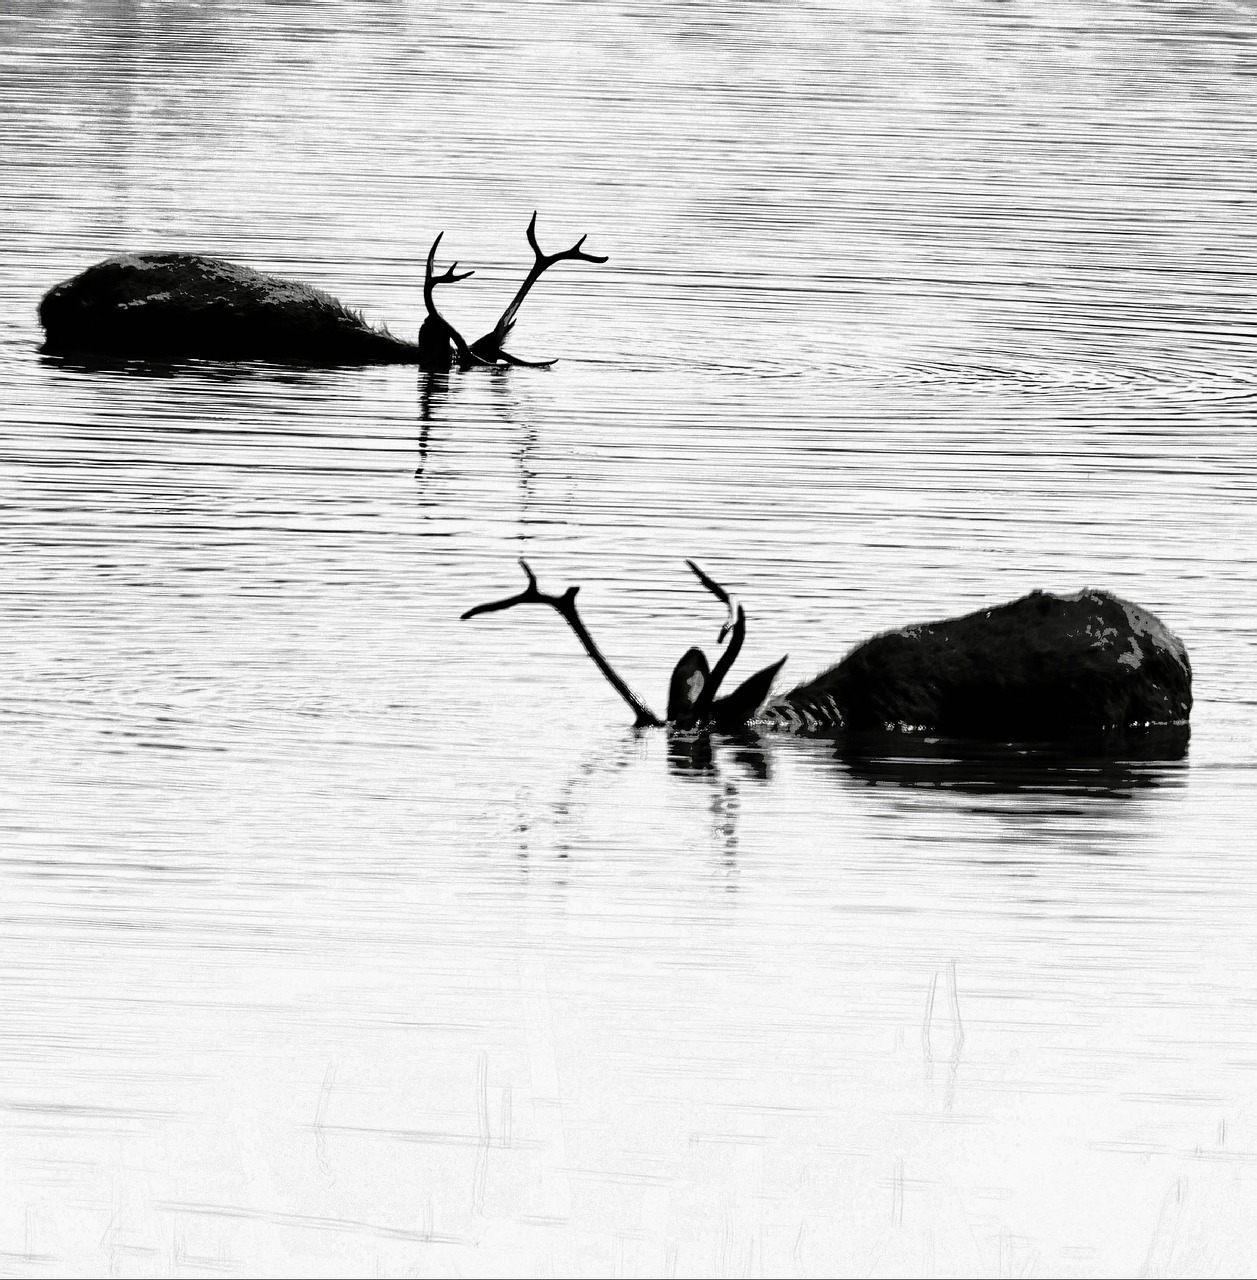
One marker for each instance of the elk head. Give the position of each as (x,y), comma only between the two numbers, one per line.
(441,345)
(692,701)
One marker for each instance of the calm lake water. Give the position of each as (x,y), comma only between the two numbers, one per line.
(342,937)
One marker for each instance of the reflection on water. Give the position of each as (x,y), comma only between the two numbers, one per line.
(433,390)
(341,937)
(1114,767)
(1087,768)
(696,753)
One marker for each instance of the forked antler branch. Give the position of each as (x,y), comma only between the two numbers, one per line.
(490,346)
(545,260)
(565,605)
(449,276)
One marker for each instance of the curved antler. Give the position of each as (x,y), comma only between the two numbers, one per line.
(721,594)
(437,332)
(565,605)
(490,346)
(734,628)
(736,708)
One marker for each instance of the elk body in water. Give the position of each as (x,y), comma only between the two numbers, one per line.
(186,306)
(1043,667)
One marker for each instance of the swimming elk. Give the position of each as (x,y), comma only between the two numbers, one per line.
(1044,667)
(182,305)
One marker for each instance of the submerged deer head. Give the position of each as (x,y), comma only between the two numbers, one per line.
(441,345)
(692,700)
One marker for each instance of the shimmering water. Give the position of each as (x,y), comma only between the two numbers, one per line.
(340,936)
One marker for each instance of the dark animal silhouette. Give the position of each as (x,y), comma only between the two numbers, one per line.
(181,306)
(1044,667)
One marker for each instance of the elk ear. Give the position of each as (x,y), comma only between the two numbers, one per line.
(689,677)
(730,713)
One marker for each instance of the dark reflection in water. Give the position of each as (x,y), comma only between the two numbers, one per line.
(510,406)
(700,757)
(438,395)
(434,387)
(1115,767)
(697,754)
(223,372)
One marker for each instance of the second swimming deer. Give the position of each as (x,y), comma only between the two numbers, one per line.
(1043,667)
(177,306)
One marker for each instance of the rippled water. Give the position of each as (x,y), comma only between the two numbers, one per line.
(340,936)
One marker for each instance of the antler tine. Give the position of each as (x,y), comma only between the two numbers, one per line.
(532,237)
(721,594)
(576,252)
(432,254)
(449,277)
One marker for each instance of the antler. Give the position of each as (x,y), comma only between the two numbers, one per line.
(734,627)
(439,329)
(721,594)
(490,346)
(736,708)
(565,605)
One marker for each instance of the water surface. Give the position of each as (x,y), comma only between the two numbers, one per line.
(341,936)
